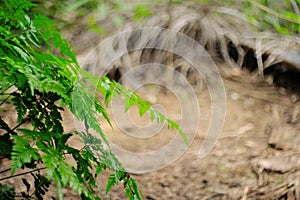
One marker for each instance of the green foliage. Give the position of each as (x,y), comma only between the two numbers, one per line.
(92,12)
(280,16)
(40,77)
(6,192)
(131,99)
(272,15)
(43,72)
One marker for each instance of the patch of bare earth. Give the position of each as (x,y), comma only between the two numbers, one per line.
(256,157)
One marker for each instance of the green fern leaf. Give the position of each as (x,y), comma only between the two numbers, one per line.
(111,182)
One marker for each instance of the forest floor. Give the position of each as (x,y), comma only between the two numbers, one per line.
(256,157)
(257,151)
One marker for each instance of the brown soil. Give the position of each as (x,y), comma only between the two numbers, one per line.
(248,161)
(256,157)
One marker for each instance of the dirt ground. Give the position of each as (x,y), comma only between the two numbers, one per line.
(256,157)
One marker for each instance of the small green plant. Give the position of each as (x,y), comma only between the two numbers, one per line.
(40,77)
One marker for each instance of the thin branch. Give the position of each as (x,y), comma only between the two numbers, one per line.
(9,95)
(23,122)
(18,34)
(14,12)
(19,196)
(6,170)
(5,156)
(5,100)
(273,12)
(21,174)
